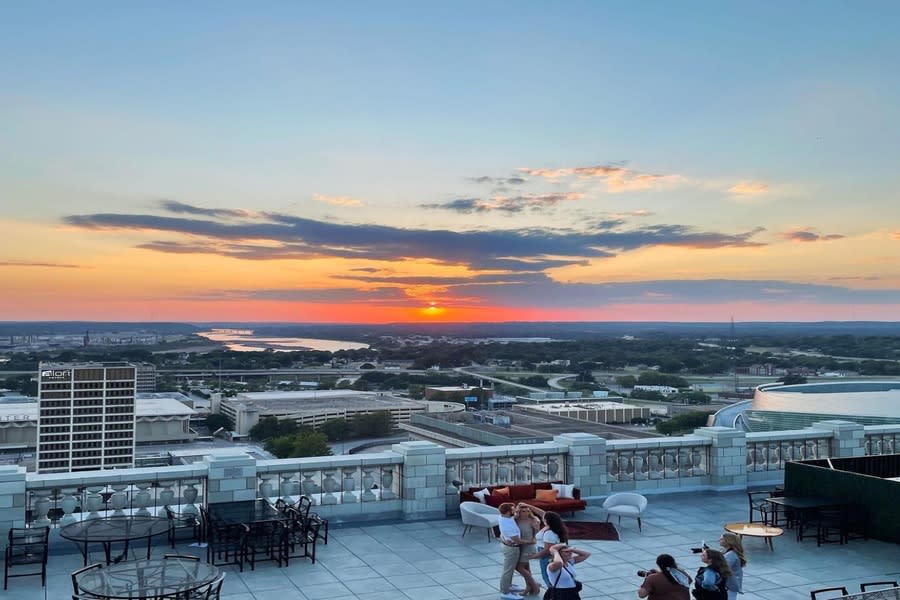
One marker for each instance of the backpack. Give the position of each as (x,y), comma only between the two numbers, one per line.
(701,593)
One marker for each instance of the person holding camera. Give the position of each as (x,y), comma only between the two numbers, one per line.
(709,584)
(561,572)
(667,582)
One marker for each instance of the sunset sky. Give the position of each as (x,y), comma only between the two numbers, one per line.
(423,161)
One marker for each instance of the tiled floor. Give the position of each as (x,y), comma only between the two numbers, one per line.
(430,561)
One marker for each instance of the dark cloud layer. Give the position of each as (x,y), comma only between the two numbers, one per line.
(263,236)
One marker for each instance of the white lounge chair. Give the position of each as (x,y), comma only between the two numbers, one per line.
(625,504)
(476,514)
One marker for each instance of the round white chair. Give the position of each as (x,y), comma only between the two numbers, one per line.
(476,514)
(625,504)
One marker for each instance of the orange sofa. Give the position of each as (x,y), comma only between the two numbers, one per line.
(526,492)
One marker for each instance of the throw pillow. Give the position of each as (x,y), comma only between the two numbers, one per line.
(564,490)
(546,495)
(504,491)
(481,494)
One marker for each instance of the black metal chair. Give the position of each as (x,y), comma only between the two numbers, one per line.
(182,522)
(831,527)
(303,505)
(76,589)
(758,504)
(323,527)
(814,594)
(226,544)
(265,541)
(26,546)
(864,587)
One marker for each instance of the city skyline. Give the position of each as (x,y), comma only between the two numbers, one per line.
(469,162)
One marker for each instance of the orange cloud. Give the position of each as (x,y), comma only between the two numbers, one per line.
(617,179)
(338,200)
(749,188)
(807,234)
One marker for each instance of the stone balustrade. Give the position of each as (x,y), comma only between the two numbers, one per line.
(420,480)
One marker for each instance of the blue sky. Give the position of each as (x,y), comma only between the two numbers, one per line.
(640,143)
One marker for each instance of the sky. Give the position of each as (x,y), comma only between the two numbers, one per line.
(469,161)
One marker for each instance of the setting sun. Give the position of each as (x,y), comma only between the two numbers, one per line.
(434,311)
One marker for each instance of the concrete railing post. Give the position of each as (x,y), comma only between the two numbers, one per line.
(231,477)
(848,439)
(12,497)
(423,483)
(727,457)
(586,463)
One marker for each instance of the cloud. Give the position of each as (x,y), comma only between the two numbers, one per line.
(808,235)
(749,188)
(282,236)
(181,208)
(617,178)
(338,200)
(513,204)
(512,180)
(41,265)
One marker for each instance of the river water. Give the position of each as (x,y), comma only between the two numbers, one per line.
(244,340)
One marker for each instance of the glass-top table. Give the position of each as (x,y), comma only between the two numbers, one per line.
(247,511)
(150,578)
(109,530)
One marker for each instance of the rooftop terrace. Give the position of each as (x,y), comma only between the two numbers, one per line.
(430,560)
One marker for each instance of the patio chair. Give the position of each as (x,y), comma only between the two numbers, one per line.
(27,547)
(265,541)
(76,589)
(302,505)
(227,544)
(476,514)
(182,522)
(831,527)
(323,527)
(864,587)
(840,591)
(758,505)
(625,504)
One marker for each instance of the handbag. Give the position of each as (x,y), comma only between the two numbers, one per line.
(555,593)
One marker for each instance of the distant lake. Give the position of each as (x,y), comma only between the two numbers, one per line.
(244,340)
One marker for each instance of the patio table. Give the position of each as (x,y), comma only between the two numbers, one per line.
(108,530)
(805,507)
(767,532)
(150,578)
(246,512)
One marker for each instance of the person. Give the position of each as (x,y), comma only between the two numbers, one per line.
(709,584)
(734,556)
(564,584)
(667,582)
(553,532)
(511,540)
(529,521)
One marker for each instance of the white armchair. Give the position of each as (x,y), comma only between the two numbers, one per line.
(476,514)
(625,504)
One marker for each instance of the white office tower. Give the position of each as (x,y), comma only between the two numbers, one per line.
(85,416)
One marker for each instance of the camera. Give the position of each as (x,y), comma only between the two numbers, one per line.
(700,549)
(643,573)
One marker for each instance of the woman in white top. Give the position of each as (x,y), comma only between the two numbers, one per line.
(561,571)
(554,532)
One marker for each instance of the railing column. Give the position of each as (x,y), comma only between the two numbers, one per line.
(848,439)
(232,477)
(423,485)
(12,497)
(586,463)
(727,457)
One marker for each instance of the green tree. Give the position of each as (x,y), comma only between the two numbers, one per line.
(216,420)
(792,379)
(376,424)
(684,423)
(336,429)
(627,381)
(537,381)
(270,427)
(304,443)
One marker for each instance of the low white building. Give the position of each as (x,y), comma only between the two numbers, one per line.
(314,407)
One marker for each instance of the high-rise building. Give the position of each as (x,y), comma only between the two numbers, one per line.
(146,377)
(85,416)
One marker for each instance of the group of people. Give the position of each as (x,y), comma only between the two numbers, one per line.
(720,578)
(528,533)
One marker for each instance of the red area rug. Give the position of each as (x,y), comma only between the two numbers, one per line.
(592,530)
